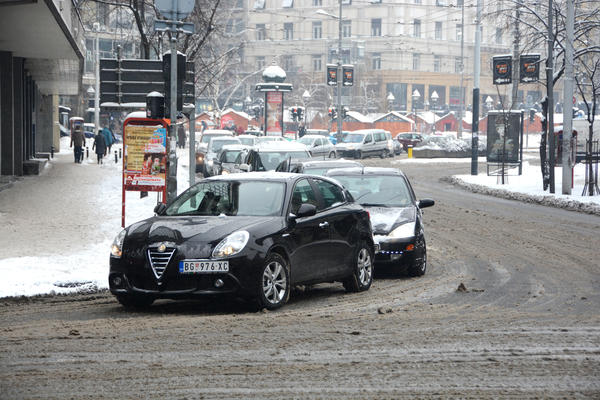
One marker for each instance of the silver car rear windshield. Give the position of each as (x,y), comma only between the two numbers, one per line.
(372,190)
(247,198)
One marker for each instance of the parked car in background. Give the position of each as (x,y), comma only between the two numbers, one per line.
(252,236)
(315,167)
(395,214)
(409,139)
(318,146)
(214,147)
(265,139)
(202,144)
(363,143)
(267,156)
(229,159)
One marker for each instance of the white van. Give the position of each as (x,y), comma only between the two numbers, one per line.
(364,143)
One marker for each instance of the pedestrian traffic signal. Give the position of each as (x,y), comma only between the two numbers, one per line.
(332,113)
(294,113)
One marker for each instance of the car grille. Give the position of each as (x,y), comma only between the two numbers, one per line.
(159,260)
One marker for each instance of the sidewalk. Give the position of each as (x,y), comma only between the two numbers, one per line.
(56,228)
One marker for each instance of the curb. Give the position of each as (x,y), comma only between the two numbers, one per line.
(551,201)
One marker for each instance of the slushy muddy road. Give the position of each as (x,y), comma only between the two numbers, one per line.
(525,325)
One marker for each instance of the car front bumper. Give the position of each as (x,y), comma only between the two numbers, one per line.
(389,250)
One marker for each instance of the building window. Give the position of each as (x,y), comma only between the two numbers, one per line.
(260,63)
(346,29)
(376,27)
(259,4)
(438,31)
(498,35)
(317,30)
(317,3)
(417,28)
(287,3)
(261,32)
(376,61)
(288,63)
(288,31)
(437,64)
(459,28)
(457,65)
(416,61)
(317,63)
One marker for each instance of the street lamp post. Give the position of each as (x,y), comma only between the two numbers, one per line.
(415,97)
(434,99)
(305,99)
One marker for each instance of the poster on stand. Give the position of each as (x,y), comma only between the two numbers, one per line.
(274,113)
(145,158)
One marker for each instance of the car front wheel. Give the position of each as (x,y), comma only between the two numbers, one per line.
(362,274)
(419,267)
(358,154)
(274,287)
(332,154)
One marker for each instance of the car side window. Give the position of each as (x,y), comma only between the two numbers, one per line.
(332,194)
(368,139)
(303,193)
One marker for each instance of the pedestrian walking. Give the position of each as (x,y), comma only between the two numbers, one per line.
(108,137)
(180,134)
(100,146)
(77,140)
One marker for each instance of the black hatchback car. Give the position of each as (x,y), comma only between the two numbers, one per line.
(251,234)
(395,213)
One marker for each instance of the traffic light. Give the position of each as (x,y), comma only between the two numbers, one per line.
(531,114)
(294,113)
(344,111)
(181,71)
(332,113)
(300,113)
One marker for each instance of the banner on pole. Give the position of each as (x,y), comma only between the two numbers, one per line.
(145,158)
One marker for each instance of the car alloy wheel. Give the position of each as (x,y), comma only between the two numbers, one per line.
(362,276)
(420,267)
(275,285)
(332,155)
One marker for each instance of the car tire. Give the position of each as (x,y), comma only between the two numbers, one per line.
(332,154)
(132,301)
(362,270)
(358,155)
(419,267)
(273,283)
(384,153)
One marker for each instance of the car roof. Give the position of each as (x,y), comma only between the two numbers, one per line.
(268,176)
(247,136)
(313,136)
(317,163)
(365,171)
(222,132)
(280,146)
(234,147)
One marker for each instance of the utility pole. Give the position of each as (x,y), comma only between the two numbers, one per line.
(339,76)
(515,68)
(462,71)
(550,94)
(567,170)
(476,96)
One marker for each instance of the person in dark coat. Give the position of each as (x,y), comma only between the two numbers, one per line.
(78,139)
(100,146)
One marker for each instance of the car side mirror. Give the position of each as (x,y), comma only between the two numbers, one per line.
(316,145)
(425,203)
(160,208)
(306,210)
(245,167)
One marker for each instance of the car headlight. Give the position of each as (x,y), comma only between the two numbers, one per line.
(231,245)
(224,172)
(403,231)
(199,158)
(209,163)
(116,250)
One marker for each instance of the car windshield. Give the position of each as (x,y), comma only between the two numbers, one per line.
(271,159)
(247,141)
(206,138)
(230,156)
(373,190)
(306,141)
(353,138)
(247,198)
(217,144)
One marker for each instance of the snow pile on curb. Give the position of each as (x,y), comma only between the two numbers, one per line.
(546,200)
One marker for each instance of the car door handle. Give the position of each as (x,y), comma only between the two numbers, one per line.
(324,224)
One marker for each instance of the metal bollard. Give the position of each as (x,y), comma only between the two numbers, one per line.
(116,159)
(52,152)
(410,155)
(120,156)
(87,152)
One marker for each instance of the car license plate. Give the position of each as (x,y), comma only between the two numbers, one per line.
(203,267)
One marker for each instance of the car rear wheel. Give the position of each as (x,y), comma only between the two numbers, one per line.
(332,154)
(384,153)
(419,267)
(359,154)
(362,274)
(274,283)
(134,301)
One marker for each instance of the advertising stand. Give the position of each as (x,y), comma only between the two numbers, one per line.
(145,144)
